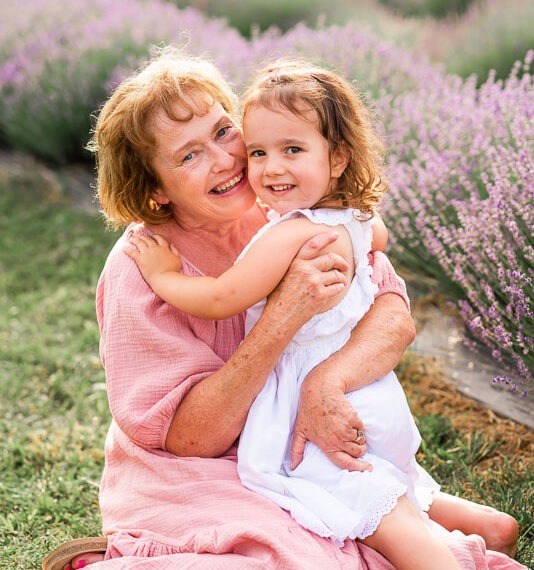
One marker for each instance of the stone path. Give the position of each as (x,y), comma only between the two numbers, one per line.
(440,337)
(74,183)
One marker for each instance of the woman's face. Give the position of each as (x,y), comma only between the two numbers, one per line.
(201,164)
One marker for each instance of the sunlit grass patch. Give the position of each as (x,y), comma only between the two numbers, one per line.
(472,452)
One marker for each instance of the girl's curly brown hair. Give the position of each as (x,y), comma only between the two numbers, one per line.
(343,120)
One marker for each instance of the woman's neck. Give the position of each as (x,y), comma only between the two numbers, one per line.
(213,248)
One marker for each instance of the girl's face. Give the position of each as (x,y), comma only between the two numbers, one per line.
(201,165)
(289,163)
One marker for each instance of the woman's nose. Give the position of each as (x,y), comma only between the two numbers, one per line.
(222,159)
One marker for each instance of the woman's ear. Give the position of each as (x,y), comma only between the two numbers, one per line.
(159,197)
(339,161)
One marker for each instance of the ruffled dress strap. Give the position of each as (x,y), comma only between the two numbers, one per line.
(359,227)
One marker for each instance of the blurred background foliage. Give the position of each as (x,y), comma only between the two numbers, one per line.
(451,84)
(453,98)
(57,63)
(467,36)
(432,8)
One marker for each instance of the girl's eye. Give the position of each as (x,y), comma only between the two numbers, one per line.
(256,153)
(293,149)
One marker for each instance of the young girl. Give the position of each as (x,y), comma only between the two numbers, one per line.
(313,159)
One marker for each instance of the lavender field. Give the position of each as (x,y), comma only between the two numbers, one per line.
(460,163)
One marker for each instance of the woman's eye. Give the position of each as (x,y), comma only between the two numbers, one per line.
(293,149)
(222,132)
(188,157)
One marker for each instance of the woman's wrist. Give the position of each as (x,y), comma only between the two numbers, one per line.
(331,374)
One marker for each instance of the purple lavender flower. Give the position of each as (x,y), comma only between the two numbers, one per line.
(474,171)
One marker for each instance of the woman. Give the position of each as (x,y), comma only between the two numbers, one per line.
(170,154)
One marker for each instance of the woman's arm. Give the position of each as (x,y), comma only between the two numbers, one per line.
(376,345)
(212,414)
(171,378)
(248,281)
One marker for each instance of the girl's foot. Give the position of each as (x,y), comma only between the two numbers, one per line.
(499,530)
(501,533)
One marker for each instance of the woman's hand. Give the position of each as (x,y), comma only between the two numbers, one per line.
(313,278)
(326,418)
(325,415)
(223,398)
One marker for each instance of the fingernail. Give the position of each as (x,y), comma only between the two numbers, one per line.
(81,564)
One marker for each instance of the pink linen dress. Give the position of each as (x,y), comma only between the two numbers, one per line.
(163,512)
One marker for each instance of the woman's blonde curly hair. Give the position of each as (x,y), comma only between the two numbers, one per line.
(123,140)
(343,120)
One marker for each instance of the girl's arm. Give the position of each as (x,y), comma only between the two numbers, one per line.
(245,283)
(213,412)
(380,235)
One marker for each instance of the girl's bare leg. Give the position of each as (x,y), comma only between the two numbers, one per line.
(405,539)
(499,530)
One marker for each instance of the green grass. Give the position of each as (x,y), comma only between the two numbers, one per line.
(53,410)
(454,463)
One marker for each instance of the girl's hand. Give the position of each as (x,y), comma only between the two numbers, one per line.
(153,255)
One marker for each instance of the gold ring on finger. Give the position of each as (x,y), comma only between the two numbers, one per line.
(361,437)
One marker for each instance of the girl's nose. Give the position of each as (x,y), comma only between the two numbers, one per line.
(273,166)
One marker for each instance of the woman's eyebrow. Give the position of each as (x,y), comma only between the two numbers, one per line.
(225,119)
(198,141)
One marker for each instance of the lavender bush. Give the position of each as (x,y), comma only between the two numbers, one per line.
(56,61)
(374,65)
(461,205)
(460,162)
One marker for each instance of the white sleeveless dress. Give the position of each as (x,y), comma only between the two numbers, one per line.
(325,499)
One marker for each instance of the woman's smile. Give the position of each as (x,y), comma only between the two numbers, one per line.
(226,188)
(199,162)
